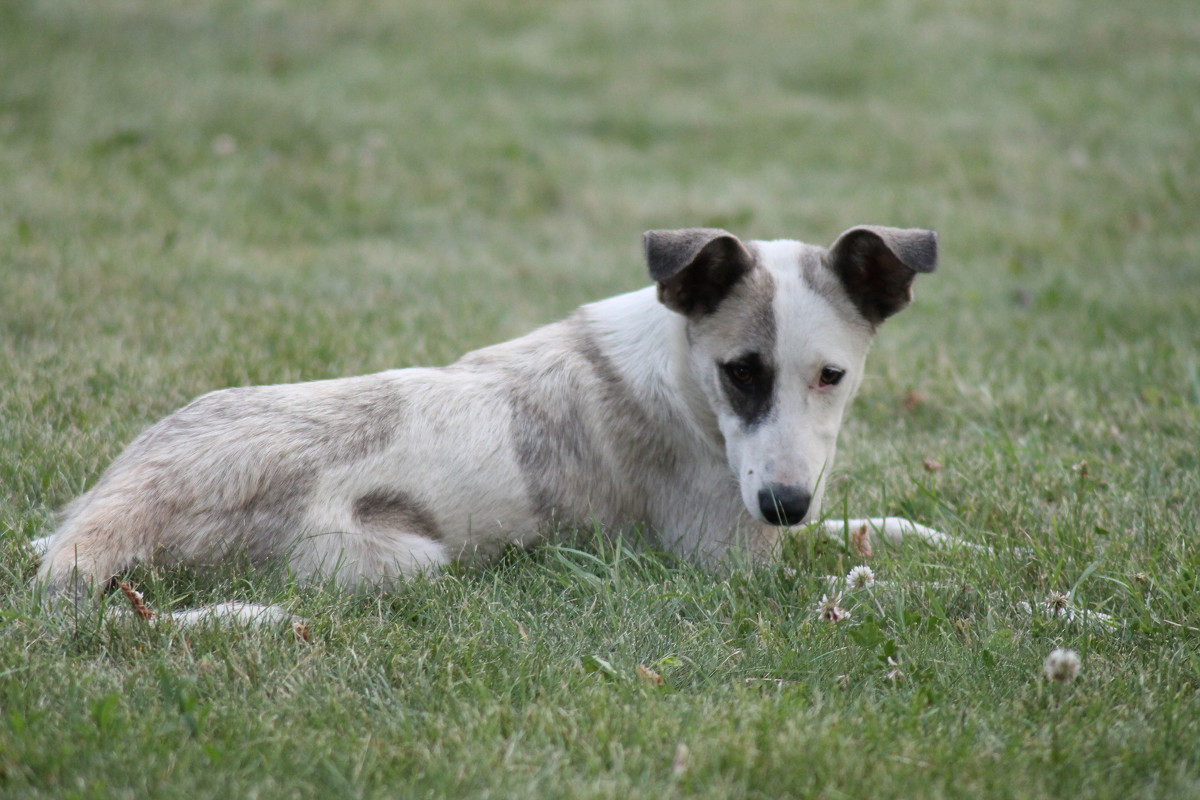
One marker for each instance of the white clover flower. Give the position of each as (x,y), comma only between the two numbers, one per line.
(860,577)
(224,145)
(1061,665)
(830,609)
(683,759)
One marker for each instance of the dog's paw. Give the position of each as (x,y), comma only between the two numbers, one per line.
(864,534)
(246,615)
(40,546)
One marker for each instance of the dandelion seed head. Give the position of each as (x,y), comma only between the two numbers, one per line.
(1061,665)
(1058,603)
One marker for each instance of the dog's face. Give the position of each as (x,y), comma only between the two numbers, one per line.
(778,334)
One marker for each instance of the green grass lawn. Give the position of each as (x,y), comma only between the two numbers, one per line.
(212,193)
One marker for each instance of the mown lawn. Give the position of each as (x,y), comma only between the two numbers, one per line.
(204,194)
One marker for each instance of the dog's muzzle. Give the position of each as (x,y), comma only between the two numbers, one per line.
(783,505)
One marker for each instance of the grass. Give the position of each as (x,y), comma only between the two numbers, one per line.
(205,194)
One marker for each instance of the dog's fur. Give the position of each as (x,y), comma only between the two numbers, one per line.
(705,408)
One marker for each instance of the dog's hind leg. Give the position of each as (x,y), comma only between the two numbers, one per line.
(891,531)
(356,559)
(377,537)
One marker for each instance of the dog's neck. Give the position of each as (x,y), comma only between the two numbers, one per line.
(647,343)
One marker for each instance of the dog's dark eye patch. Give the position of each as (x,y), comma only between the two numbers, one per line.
(749,386)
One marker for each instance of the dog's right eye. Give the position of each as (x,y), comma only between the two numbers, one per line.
(743,373)
(747,384)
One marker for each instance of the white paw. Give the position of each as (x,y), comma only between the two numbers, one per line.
(893,531)
(40,546)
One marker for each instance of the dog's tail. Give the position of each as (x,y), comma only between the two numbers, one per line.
(93,543)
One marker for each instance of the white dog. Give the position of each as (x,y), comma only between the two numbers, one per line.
(705,408)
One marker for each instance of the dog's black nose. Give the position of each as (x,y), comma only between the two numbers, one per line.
(783,505)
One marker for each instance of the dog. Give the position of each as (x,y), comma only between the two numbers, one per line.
(704,408)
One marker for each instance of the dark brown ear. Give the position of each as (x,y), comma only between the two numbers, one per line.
(877,265)
(695,267)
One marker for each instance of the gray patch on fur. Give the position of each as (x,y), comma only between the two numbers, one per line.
(279,444)
(354,423)
(747,315)
(372,413)
(549,432)
(274,512)
(559,411)
(636,433)
(258,524)
(390,509)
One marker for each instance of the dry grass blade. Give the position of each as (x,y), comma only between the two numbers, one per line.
(860,542)
(648,676)
(136,601)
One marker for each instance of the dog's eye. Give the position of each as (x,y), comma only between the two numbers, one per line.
(743,374)
(830,376)
(740,374)
(748,385)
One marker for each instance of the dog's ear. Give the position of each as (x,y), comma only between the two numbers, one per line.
(877,265)
(695,267)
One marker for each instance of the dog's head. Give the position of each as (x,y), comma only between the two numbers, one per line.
(777,335)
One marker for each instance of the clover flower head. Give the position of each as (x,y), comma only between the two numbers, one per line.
(860,577)
(1061,666)
(830,609)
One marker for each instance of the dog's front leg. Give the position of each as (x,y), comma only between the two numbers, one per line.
(890,531)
